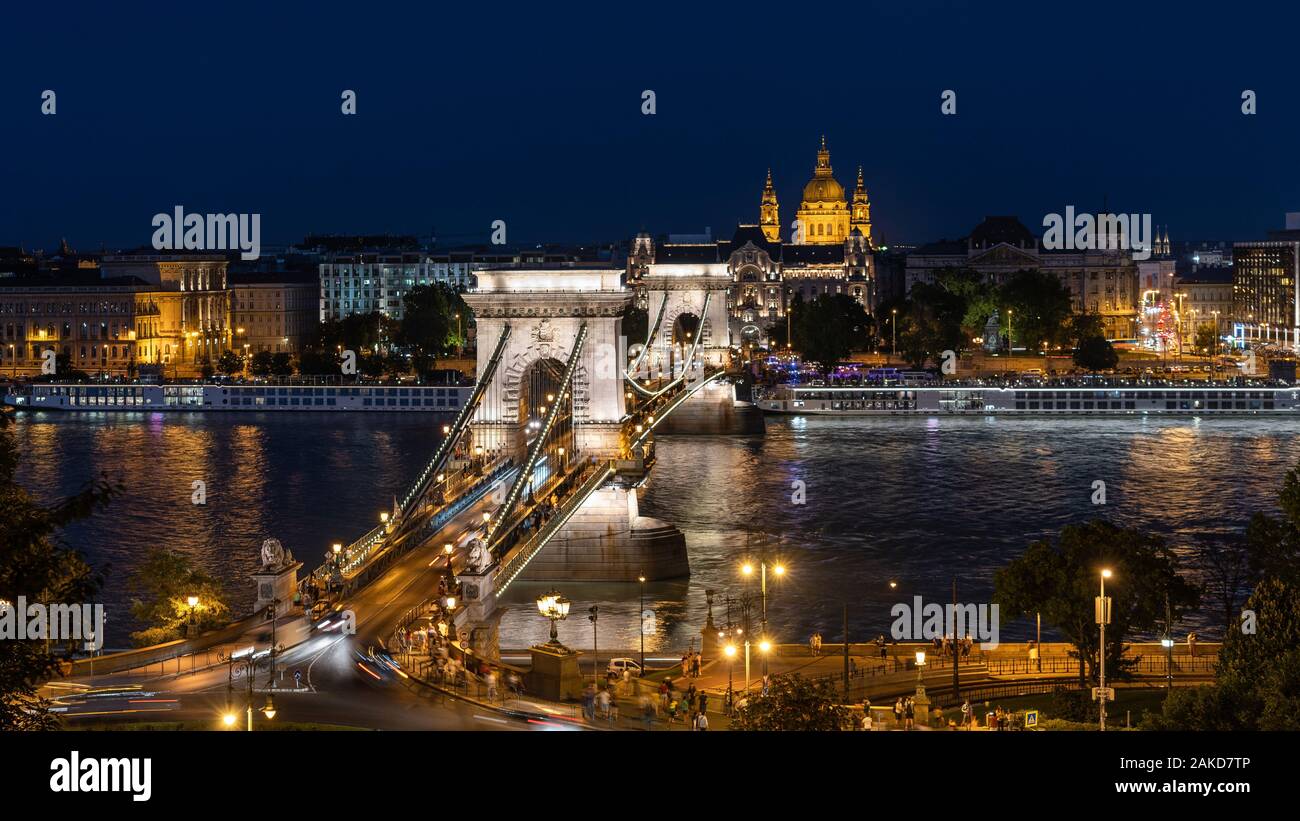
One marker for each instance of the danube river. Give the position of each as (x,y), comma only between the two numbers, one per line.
(916,501)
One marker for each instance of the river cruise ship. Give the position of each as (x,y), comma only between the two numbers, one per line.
(236,397)
(1019,400)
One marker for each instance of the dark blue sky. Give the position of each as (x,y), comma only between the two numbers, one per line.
(531,114)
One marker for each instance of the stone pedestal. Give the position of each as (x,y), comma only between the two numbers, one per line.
(921,704)
(276,585)
(555,675)
(608,541)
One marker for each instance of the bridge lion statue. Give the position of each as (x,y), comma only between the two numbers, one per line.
(479,556)
(274,555)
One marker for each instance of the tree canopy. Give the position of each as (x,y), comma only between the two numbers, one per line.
(827,329)
(792,703)
(34,564)
(1061,579)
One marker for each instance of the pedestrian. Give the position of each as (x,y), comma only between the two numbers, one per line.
(491,685)
(966,714)
(1191,644)
(602,703)
(647,711)
(704,702)
(866,719)
(613,708)
(700,723)
(909,714)
(663,694)
(699,661)
(898,712)
(589,702)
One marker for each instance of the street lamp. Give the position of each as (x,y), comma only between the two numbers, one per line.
(921,702)
(641,621)
(556,608)
(730,652)
(1102,608)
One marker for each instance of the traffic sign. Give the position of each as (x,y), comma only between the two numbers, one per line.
(1031,718)
(1104,693)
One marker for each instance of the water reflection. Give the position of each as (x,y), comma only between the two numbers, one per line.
(912,500)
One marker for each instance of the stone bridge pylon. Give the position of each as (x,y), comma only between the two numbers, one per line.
(549,311)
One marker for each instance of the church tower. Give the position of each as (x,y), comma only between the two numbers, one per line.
(824,214)
(769,213)
(861,211)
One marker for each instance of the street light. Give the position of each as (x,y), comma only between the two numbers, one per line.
(1102,612)
(641,621)
(193,602)
(556,608)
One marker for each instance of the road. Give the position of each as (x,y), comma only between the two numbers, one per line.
(336,686)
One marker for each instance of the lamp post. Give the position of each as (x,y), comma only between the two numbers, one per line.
(893,330)
(592,613)
(921,702)
(1009,346)
(747,570)
(730,652)
(193,602)
(1102,608)
(556,608)
(641,621)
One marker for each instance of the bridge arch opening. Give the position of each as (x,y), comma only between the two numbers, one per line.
(539,392)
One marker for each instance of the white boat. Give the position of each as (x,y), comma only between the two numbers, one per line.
(241,397)
(1020,400)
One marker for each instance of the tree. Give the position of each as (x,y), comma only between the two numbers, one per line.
(230,363)
(1224,566)
(162,587)
(1273,544)
(1040,309)
(1258,683)
(792,703)
(282,364)
(828,328)
(207,370)
(1095,353)
(317,363)
(1207,338)
(429,324)
(35,565)
(1060,581)
(930,322)
(261,363)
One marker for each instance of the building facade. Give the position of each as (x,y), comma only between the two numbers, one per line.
(829,252)
(195,285)
(274,312)
(1102,282)
(1265,276)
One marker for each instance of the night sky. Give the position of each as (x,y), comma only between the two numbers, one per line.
(483,111)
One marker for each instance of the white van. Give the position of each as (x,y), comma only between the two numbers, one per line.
(617,666)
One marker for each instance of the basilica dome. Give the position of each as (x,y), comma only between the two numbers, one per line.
(823,189)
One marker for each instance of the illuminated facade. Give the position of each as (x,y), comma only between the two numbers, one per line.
(1102,282)
(824,216)
(1265,277)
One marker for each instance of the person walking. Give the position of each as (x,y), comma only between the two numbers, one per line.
(909,714)
(966,714)
(1191,644)
(898,712)
(602,703)
(700,723)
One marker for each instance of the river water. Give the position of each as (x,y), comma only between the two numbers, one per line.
(915,501)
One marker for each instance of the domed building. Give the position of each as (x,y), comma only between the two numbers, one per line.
(824,216)
(830,252)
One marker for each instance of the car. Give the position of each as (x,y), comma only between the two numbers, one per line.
(617,666)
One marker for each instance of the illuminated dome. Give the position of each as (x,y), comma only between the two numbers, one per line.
(823,188)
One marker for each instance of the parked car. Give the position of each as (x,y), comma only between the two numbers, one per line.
(617,666)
